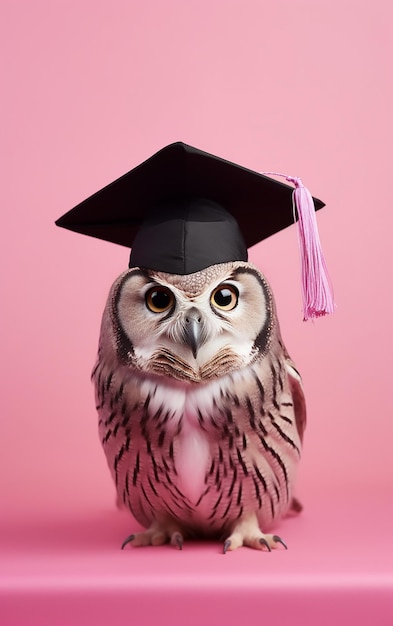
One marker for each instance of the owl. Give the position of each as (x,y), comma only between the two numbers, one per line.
(201,410)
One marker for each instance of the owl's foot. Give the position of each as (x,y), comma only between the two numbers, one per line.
(248,533)
(156,535)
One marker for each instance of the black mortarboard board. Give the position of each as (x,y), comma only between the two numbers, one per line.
(183,209)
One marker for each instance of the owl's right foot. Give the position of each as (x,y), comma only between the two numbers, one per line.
(247,533)
(156,535)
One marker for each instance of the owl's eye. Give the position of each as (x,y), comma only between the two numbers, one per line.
(225,297)
(159,299)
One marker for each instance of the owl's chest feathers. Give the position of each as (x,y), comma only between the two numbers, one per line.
(190,431)
(207,448)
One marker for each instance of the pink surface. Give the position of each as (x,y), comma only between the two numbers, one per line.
(89,90)
(72,572)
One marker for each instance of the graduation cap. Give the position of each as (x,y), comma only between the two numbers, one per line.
(183,210)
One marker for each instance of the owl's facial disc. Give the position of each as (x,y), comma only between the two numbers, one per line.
(192,327)
(185,325)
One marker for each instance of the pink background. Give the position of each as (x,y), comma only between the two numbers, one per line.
(90,89)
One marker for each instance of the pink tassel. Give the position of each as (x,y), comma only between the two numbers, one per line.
(317,291)
(316,286)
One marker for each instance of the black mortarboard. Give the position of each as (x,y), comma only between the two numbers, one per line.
(176,210)
(183,209)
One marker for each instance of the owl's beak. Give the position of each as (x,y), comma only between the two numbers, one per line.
(192,327)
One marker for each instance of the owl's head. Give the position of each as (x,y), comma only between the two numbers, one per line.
(191,327)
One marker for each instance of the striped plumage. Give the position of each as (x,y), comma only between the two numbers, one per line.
(203,432)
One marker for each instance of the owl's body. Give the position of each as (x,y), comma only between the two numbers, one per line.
(201,412)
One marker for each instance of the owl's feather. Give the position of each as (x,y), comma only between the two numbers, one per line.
(205,445)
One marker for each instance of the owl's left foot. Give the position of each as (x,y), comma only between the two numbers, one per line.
(156,535)
(248,533)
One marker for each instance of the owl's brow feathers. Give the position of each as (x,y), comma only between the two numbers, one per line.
(194,284)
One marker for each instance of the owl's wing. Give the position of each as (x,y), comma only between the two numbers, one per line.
(299,402)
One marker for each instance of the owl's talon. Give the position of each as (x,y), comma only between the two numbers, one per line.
(227,545)
(263,542)
(278,539)
(177,540)
(127,540)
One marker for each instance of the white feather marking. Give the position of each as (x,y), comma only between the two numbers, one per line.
(192,447)
(192,458)
(171,399)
